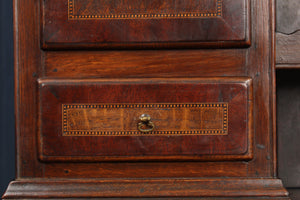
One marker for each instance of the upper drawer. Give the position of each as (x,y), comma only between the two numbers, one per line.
(173,119)
(144,24)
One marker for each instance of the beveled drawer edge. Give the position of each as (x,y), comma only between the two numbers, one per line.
(244,42)
(247,81)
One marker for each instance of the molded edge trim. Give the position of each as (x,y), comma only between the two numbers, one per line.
(180,187)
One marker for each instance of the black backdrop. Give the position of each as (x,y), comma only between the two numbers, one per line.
(7,141)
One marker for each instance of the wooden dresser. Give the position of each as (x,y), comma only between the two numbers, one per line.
(152,99)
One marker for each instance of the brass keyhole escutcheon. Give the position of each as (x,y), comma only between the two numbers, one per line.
(145,125)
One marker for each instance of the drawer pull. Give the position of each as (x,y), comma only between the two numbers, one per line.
(145,125)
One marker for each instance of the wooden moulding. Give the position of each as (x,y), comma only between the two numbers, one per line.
(73,24)
(262,188)
(195,119)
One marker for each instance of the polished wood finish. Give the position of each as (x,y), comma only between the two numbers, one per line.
(133,119)
(146,24)
(254,178)
(167,63)
(136,170)
(210,119)
(160,188)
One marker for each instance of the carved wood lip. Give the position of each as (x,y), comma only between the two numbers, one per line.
(216,13)
(135,188)
(247,81)
(223,131)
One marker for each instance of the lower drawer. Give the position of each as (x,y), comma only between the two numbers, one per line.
(145,119)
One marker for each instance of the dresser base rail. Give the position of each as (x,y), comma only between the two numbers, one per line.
(229,188)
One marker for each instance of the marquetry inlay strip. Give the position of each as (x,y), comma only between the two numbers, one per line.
(87,9)
(122,119)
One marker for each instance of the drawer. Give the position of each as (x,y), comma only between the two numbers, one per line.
(140,119)
(145,24)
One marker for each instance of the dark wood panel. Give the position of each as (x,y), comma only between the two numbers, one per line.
(260,66)
(176,63)
(155,24)
(255,62)
(117,104)
(27,67)
(146,169)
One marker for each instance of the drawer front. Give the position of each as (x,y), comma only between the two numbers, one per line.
(147,23)
(172,119)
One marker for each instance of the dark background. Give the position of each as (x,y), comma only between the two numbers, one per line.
(7,124)
(288,98)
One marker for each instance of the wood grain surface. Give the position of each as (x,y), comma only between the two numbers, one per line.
(123,119)
(42,24)
(149,63)
(179,133)
(151,24)
(255,62)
